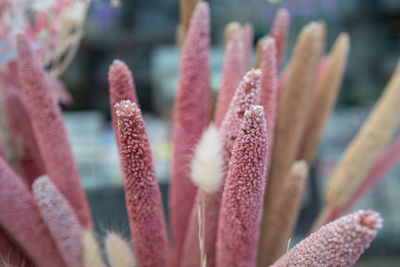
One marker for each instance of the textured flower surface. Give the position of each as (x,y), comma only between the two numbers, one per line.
(339,243)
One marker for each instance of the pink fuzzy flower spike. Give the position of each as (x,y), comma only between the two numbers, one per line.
(122,87)
(50,133)
(339,243)
(243,195)
(247,94)
(231,76)
(23,137)
(143,199)
(248,36)
(269,85)
(279,31)
(191,116)
(21,219)
(60,219)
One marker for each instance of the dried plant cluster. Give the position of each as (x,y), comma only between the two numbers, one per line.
(236,181)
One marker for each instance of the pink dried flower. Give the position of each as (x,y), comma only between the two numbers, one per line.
(122,87)
(339,243)
(60,219)
(269,85)
(21,218)
(231,76)
(22,135)
(242,200)
(248,36)
(143,200)
(191,116)
(247,94)
(50,133)
(279,31)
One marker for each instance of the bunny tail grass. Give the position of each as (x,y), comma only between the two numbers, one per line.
(91,250)
(191,117)
(143,199)
(119,253)
(207,165)
(60,219)
(241,208)
(49,129)
(208,175)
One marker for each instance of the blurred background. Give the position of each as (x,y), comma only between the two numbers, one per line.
(143,34)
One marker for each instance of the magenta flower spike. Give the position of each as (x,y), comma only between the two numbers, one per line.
(60,219)
(248,37)
(247,94)
(385,163)
(279,31)
(242,200)
(191,116)
(269,85)
(122,87)
(339,243)
(231,76)
(143,199)
(33,238)
(50,133)
(23,137)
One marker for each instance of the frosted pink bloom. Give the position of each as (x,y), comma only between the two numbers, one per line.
(279,31)
(122,87)
(247,94)
(191,116)
(60,219)
(21,220)
(339,243)
(248,36)
(231,76)
(385,163)
(10,253)
(50,133)
(23,139)
(242,200)
(143,200)
(269,85)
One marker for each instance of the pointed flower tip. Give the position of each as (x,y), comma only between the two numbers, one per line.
(269,43)
(283,14)
(207,166)
(126,108)
(253,117)
(370,221)
(253,77)
(300,167)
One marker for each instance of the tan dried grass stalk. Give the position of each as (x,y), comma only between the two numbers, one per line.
(325,97)
(283,215)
